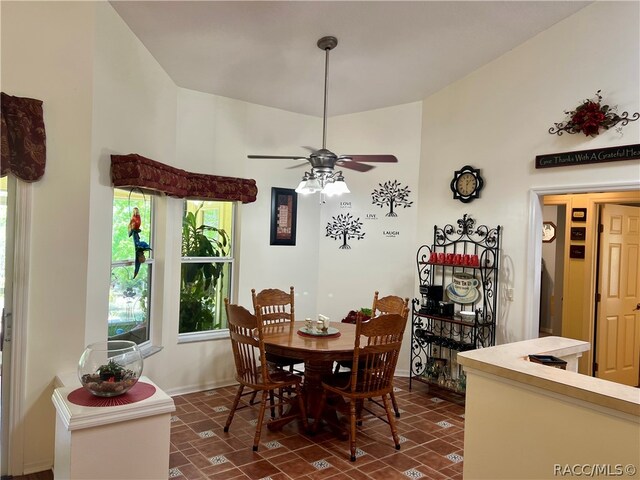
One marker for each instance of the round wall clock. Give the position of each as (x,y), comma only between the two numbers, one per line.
(466,184)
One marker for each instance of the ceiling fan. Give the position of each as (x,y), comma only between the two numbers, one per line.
(323,177)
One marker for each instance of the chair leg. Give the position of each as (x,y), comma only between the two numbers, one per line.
(392,422)
(263,408)
(318,413)
(337,369)
(352,431)
(233,407)
(395,404)
(253,397)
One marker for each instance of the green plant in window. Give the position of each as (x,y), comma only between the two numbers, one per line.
(199,281)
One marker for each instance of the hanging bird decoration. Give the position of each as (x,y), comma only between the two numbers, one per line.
(134,223)
(140,245)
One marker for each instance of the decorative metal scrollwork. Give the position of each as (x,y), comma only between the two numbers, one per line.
(591,116)
(467,231)
(569,127)
(463,248)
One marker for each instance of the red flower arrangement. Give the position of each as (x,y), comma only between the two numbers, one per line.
(591,116)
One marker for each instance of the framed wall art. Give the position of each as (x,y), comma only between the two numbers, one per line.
(578,233)
(578,214)
(284,210)
(576,251)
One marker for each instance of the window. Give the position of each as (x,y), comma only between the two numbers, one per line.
(130,294)
(207,266)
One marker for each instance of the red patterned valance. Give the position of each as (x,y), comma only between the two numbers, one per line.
(137,171)
(23,139)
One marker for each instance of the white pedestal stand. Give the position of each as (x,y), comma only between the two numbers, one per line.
(122,442)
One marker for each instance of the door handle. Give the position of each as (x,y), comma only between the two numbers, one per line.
(637,307)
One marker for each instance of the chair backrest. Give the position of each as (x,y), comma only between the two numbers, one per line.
(390,304)
(245,331)
(276,306)
(376,353)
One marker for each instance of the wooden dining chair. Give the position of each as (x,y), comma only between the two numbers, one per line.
(276,306)
(247,342)
(391,304)
(388,304)
(375,356)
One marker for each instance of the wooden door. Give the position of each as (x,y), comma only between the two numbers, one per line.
(618,320)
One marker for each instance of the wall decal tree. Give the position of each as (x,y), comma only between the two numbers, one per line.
(391,194)
(345,227)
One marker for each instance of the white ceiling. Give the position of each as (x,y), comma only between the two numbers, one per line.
(389,53)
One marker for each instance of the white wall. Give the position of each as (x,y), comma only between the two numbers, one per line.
(51,58)
(104,93)
(215,134)
(134,111)
(349,277)
(497,118)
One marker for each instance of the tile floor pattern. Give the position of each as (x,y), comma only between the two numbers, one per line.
(431,433)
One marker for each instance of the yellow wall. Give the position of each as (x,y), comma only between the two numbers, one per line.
(513,431)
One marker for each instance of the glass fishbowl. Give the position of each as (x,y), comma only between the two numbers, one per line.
(110,368)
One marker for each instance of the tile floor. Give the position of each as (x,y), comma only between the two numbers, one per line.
(431,432)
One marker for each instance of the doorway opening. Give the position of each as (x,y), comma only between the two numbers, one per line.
(569,278)
(552,270)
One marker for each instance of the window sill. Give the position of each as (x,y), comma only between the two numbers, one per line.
(148,350)
(203,336)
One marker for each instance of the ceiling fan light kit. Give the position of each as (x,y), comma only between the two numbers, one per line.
(323,177)
(329,185)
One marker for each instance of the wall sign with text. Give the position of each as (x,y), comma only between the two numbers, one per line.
(583,157)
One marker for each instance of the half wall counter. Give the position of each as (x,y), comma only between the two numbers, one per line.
(528,420)
(117,440)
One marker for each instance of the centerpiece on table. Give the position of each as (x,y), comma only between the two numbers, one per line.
(352,316)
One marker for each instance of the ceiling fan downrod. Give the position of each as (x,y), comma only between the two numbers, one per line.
(327,44)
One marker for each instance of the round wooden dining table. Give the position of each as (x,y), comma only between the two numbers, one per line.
(318,354)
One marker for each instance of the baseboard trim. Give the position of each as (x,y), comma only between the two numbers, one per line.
(185,390)
(40,466)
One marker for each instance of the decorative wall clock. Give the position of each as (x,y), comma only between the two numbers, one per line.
(466,184)
(548,232)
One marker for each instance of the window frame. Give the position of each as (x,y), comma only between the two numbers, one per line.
(146,346)
(231,259)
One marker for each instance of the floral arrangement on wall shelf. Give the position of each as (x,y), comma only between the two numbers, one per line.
(591,116)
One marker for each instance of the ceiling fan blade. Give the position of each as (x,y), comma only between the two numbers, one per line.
(359,167)
(299,165)
(371,158)
(311,149)
(285,157)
